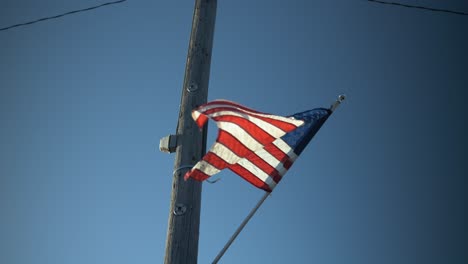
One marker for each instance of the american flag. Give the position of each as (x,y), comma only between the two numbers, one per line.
(257,146)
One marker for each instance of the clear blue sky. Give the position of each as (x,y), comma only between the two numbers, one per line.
(85,99)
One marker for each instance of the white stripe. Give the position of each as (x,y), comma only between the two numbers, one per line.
(206,167)
(283,146)
(265,126)
(195,115)
(240,134)
(224,153)
(289,120)
(272,161)
(257,172)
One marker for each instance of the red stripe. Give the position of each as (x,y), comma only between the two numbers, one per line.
(232,143)
(248,176)
(196,174)
(286,127)
(232,104)
(279,155)
(201,120)
(252,129)
(215,160)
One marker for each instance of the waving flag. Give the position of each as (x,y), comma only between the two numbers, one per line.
(257,146)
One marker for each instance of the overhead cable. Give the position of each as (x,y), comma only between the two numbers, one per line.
(420,7)
(61,15)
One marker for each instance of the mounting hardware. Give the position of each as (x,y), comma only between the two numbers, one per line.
(181,168)
(168,144)
(192,87)
(180,209)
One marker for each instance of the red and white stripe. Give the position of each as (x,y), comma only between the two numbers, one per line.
(248,143)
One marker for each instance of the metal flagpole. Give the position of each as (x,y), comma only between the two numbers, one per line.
(333,107)
(239,229)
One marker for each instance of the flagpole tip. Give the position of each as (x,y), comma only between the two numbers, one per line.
(338,101)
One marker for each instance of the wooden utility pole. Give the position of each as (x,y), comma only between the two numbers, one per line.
(184,214)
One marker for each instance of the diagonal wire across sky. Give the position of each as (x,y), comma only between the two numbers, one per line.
(121,1)
(62,15)
(420,7)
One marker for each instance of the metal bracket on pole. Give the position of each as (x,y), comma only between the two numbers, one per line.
(181,168)
(168,144)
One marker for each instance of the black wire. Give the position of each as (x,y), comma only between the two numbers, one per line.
(64,14)
(121,1)
(420,7)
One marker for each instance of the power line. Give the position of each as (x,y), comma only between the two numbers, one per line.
(420,7)
(61,15)
(121,1)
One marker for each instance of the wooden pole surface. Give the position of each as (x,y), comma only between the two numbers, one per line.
(184,213)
